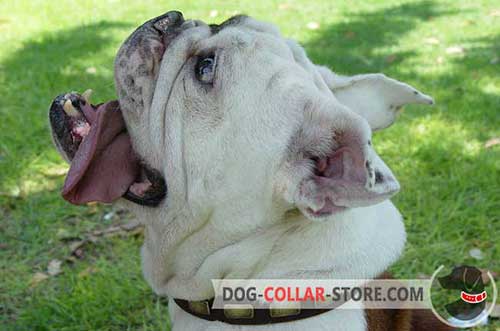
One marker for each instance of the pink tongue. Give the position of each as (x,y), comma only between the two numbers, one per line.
(105,165)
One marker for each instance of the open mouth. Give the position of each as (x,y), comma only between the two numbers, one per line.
(104,166)
(94,139)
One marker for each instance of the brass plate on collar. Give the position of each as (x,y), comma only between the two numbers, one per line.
(284,312)
(238,312)
(200,307)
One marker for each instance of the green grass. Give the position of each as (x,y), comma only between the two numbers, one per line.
(450,182)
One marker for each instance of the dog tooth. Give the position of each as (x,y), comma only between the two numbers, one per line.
(69,109)
(86,95)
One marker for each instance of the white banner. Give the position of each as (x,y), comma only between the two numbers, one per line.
(322,293)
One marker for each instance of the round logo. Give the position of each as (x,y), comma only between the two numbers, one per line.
(459,296)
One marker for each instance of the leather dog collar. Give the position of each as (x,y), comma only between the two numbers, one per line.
(245,316)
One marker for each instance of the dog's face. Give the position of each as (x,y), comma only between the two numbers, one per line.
(235,112)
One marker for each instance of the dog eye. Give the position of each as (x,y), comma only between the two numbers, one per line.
(205,69)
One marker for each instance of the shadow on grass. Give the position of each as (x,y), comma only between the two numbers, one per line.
(363,45)
(44,67)
(352,47)
(465,86)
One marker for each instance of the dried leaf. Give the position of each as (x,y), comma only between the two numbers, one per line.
(54,267)
(87,272)
(70,259)
(432,41)
(91,70)
(495,13)
(55,171)
(492,142)
(455,50)
(131,225)
(111,229)
(92,239)
(391,58)
(65,235)
(117,229)
(37,278)
(76,248)
(350,34)
(76,245)
(62,233)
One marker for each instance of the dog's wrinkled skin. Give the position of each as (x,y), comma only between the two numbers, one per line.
(239,159)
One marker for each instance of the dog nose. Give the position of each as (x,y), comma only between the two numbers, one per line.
(170,19)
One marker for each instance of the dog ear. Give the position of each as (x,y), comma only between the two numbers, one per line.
(375,97)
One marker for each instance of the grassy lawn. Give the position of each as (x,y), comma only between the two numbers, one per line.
(450,180)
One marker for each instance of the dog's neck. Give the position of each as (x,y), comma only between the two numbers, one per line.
(180,257)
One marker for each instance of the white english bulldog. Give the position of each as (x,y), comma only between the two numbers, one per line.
(243,159)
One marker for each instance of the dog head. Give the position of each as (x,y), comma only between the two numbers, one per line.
(231,114)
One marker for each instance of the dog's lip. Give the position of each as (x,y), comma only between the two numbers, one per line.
(170,25)
(69,129)
(327,210)
(168,20)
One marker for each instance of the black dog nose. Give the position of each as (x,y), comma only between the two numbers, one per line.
(170,19)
